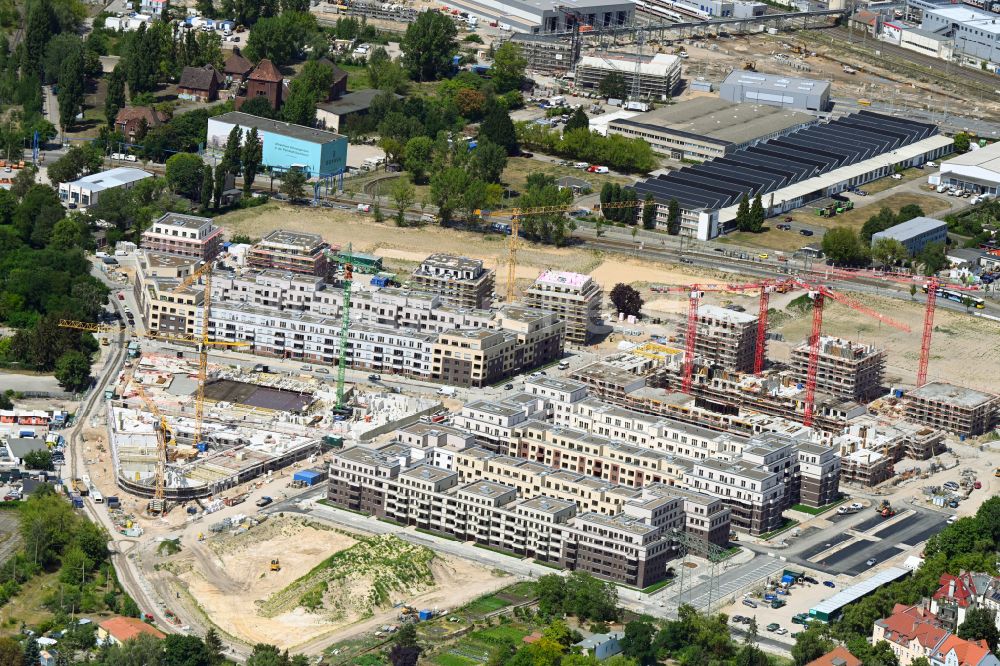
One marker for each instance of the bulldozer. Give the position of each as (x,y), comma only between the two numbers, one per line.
(275,565)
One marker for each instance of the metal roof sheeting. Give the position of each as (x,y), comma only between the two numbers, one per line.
(854,592)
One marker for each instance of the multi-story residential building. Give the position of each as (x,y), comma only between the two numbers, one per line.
(461,282)
(290,251)
(631,548)
(493,423)
(845,369)
(819,470)
(958,410)
(957,595)
(755,497)
(166,306)
(725,337)
(183,235)
(575,298)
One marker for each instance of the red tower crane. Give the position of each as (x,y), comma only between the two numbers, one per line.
(695,292)
(930,285)
(819,294)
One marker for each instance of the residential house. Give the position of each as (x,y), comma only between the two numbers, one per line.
(200,84)
(129,121)
(911,632)
(602,646)
(838,656)
(264,81)
(237,67)
(117,630)
(957,595)
(338,85)
(957,651)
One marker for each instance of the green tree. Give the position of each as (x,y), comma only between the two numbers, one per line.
(71,89)
(219,186)
(649,211)
(57,51)
(280,38)
(403,195)
(962,142)
(932,258)
(881,221)
(810,645)
(114,100)
(508,68)
(551,592)
(40,26)
(31,652)
(78,161)
(842,246)
(214,647)
(637,643)
(417,157)
(207,188)
(578,120)
(266,655)
(743,214)
(673,217)
(980,624)
(38,460)
(757,215)
(428,46)
(300,107)
(447,190)
(69,233)
(889,252)
(406,636)
(293,184)
(260,107)
(180,650)
(612,86)
(498,128)
(488,161)
(252,157)
(231,155)
(11,653)
(184,174)
(73,371)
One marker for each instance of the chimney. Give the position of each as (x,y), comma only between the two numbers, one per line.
(951,589)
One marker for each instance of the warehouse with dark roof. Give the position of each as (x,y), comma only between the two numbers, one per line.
(790,171)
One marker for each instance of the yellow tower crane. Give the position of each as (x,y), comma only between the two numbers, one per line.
(515,215)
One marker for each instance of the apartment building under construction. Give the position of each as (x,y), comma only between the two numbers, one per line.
(846,369)
(290,251)
(958,410)
(725,337)
(574,297)
(459,281)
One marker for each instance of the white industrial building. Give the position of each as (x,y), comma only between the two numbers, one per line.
(87,190)
(976,170)
(927,42)
(550,16)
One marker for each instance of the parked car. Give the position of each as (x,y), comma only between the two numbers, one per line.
(829,583)
(121,296)
(264,501)
(781,631)
(738,619)
(953,504)
(897,176)
(774,626)
(749,604)
(784,227)
(952,520)
(951,485)
(810,580)
(871,561)
(508,387)
(322,371)
(307,368)
(806,232)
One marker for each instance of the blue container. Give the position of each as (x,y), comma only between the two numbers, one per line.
(203,446)
(425,615)
(898,393)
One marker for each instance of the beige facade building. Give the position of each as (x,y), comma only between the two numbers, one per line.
(184,235)
(290,251)
(575,298)
(725,337)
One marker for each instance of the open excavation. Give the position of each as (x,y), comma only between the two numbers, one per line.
(289,581)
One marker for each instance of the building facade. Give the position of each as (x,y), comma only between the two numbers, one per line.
(297,252)
(86,191)
(461,282)
(915,234)
(183,235)
(725,337)
(658,78)
(776,90)
(575,298)
(845,369)
(951,408)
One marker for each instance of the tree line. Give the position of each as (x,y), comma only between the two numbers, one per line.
(844,246)
(615,151)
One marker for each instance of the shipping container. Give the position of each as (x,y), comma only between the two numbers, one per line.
(309,477)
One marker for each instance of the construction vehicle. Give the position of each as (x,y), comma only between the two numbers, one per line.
(885,509)
(275,565)
(749,66)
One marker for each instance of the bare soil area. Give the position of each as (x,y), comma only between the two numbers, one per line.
(230,579)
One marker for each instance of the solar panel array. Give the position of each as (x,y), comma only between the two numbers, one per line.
(783,161)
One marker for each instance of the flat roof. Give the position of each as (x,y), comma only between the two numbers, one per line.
(969,16)
(185,221)
(427,472)
(987,157)
(911,228)
(103,180)
(776,82)
(290,130)
(949,394)
(485,488)
(725,314)
(359,100)
(660,65)
(299,239)
(855,592)
(563,279)
(719,119)
(547,504)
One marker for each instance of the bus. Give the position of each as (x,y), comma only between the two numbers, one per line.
(957,296)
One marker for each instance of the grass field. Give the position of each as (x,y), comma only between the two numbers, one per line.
(475,647)
(517,593)
(27,606)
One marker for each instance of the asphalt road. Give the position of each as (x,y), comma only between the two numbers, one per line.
(829,542)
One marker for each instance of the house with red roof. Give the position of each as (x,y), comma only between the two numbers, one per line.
(117,630)
(838,656)
(955,596)
(264,81)
(957,651)
(911,632)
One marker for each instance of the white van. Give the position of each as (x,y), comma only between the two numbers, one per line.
(364,208)
(581,165)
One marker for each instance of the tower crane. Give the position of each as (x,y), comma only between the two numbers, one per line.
(695,292)
(345,325)
(930,285)
(515,215)
(819,294)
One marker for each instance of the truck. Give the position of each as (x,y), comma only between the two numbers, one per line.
(76,500)
(234,500)
(447,391)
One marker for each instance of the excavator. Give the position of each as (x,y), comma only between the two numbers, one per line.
(275,565)
(885,509)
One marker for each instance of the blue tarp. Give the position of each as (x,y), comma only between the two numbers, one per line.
(308,476)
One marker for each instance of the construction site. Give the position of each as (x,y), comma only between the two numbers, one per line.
(254,423)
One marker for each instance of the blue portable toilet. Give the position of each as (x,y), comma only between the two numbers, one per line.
(425,615)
